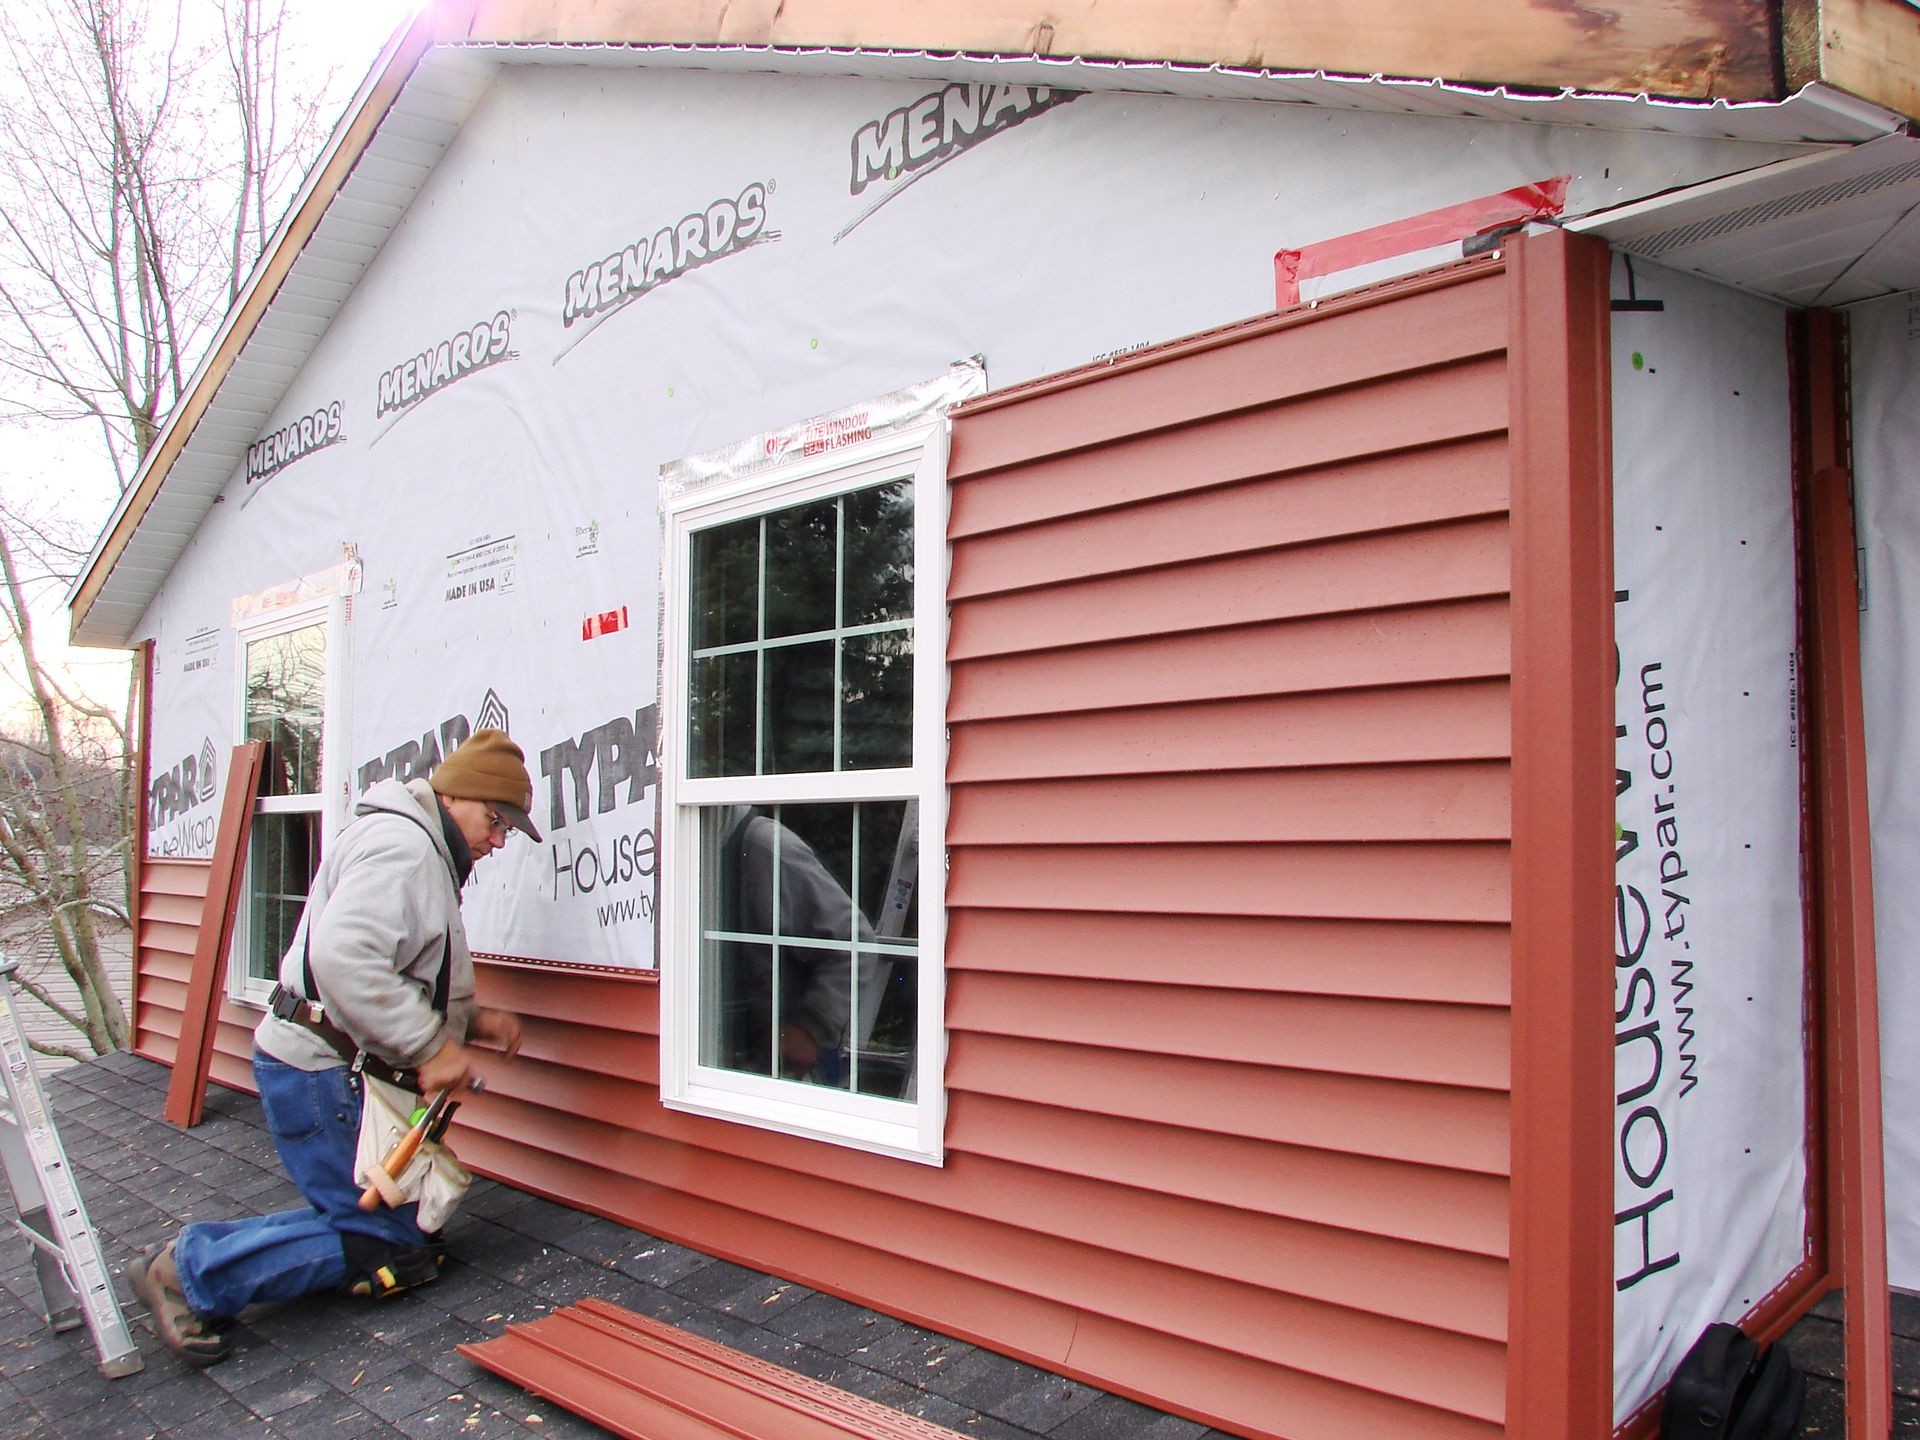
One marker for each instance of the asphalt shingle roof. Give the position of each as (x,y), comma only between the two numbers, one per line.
(336,1368)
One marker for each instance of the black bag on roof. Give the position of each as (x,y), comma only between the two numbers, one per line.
(1771,1405)
(1726,1388)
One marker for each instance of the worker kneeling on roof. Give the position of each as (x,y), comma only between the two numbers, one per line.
(377,982)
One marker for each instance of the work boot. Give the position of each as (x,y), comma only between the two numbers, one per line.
(195,1338)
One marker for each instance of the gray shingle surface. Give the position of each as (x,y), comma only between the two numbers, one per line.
(1816,1345)
(341,1369)
(335,1368)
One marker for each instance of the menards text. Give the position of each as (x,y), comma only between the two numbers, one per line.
(943,124)
(419,376)
(721,229)
(272,453)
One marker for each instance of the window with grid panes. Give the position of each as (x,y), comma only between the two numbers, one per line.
(283,703)
(801,993)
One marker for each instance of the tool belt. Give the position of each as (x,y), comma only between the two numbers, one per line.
(293,1008)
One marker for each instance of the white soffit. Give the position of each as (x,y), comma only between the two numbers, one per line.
(1824,230)
(450,78)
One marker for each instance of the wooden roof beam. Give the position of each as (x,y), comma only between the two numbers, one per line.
(1695,49)
(1869,48)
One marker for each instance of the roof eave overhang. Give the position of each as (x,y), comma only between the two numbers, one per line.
(1701,50)
(1868,48)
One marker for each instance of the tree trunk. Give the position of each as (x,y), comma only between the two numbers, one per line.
(61,875)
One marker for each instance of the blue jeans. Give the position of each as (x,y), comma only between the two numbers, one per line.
(314,1116)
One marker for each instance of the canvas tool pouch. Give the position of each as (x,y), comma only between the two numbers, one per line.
(435,1178)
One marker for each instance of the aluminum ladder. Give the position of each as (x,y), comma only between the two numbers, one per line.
(74,1282)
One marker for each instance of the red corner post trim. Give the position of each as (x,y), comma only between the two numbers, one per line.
(200,1019)
(1560,1290)
(1417,232)
(1855,1178)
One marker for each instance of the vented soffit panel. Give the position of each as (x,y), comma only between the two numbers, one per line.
(1822,230)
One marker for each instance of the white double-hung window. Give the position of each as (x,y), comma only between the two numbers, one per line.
(290,667)
(805,681)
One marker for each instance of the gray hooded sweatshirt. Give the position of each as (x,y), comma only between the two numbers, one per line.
(382,909)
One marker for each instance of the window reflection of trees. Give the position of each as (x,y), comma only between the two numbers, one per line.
(878,578)
(820,570)
(286,706)
(876,670)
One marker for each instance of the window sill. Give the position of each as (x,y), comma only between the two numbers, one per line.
(903,1139)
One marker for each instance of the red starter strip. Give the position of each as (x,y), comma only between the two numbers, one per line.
(1417,232)
(650,1381)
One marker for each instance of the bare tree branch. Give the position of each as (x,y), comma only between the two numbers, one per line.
(40,993)
(139,166)
(146,149)
(47,1047)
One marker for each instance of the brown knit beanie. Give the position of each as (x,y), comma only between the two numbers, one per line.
(488,766)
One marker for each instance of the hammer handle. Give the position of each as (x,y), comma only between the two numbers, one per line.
(406,1147)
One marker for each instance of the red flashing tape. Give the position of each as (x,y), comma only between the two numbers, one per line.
(1417,232)
(605,623)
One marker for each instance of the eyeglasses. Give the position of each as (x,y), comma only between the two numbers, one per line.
(496,824)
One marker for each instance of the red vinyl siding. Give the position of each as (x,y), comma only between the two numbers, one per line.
(1228,958)
(172,893)
(1229,874)
(172,896)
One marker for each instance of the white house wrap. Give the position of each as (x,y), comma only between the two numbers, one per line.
(1710,1118)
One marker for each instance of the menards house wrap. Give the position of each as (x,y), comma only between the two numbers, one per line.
(579,296)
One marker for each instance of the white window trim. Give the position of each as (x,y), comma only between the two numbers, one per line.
(328,610)
(909,1130)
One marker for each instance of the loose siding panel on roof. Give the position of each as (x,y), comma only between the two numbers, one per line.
(1228,947)
(1229,871)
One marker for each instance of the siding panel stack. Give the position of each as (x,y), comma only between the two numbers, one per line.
(172,895)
